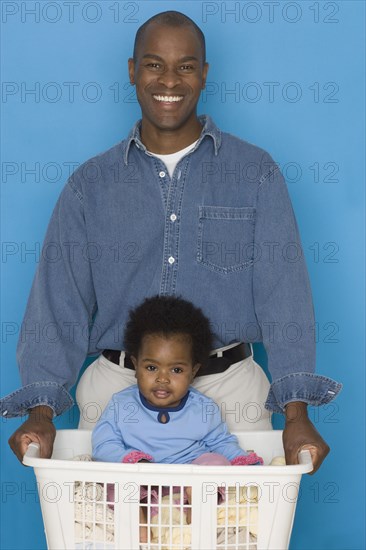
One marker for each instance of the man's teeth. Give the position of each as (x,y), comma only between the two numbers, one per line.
(168,98)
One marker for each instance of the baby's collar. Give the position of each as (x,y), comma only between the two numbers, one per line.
(163,412)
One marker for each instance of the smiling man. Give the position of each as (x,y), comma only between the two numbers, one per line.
(169,71)
(177,208)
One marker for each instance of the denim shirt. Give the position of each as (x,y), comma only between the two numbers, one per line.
(221,232)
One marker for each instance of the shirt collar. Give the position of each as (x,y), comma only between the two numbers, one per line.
(209,128)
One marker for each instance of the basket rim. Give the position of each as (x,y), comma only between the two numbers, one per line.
(31,458)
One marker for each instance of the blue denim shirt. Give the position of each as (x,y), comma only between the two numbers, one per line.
(221,232)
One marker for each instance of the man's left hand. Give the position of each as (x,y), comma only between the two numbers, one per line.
(300,434)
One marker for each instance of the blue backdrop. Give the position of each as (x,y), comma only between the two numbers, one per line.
(287,76)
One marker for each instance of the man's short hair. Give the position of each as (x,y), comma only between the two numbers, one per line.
(173,19)
(167,316)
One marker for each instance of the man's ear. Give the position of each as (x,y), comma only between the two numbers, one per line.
(131,70)
(204,75)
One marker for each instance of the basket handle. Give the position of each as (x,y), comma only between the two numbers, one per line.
(304,457)
(33,451)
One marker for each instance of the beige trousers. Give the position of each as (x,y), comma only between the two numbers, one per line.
(240,392)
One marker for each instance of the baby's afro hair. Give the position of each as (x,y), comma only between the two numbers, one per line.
(166,316)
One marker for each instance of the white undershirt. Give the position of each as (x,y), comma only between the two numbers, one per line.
(172,160)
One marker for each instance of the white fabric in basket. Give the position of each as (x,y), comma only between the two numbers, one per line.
(94,521)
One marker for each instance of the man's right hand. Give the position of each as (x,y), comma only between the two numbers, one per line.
(39,429)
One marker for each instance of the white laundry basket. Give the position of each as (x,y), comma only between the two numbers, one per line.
(232,507)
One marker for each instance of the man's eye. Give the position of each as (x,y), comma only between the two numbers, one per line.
(153,65)
(186,68)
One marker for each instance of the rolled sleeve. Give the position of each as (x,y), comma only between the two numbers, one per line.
(33,395)
(312,389)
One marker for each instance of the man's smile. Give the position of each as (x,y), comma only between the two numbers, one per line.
(168,98)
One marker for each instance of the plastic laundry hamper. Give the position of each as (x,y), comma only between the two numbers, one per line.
(93,505)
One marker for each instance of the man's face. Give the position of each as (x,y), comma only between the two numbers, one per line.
(169,74)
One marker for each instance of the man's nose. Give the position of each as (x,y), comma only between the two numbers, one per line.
(169,78)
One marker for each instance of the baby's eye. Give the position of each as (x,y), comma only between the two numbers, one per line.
(151,368)
(177,370)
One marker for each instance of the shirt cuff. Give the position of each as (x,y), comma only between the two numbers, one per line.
(310,388)
(20,401)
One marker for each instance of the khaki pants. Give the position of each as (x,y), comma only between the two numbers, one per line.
(240,392)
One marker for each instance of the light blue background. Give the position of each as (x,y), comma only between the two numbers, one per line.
(323,129)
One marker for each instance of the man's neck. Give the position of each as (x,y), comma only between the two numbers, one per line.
(165,142)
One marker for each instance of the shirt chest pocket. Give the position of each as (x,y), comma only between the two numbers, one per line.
(226,238)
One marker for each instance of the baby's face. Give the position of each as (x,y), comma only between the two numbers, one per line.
(164,368)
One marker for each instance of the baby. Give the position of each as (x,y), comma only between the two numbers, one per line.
(162,418)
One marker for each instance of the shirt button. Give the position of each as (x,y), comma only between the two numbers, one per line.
(173,217)
(162,174)
(171,260)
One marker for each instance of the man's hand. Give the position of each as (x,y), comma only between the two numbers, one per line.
(39,429)
(299,434)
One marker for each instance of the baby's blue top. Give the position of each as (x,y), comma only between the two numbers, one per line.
(130,423)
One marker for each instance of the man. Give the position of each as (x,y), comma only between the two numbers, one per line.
(177,208)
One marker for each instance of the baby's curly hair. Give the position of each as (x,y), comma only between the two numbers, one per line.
(169,315)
